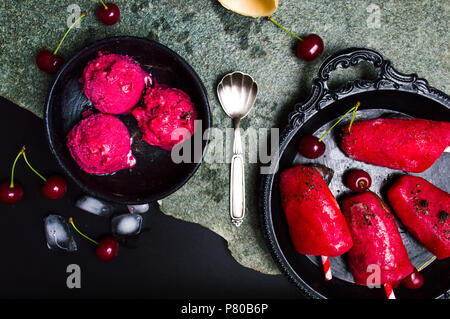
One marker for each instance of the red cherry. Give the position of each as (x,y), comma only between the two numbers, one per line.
(55,187)
(414,281)
(311,147)
(310,48)
(395,284)
(358,180)
(10,195)
(107,249)
(110,14)
(49,62)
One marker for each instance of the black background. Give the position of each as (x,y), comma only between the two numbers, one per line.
(173,259)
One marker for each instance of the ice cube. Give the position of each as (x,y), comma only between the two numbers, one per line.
(143,208)
(126,224)
(94,206)
(58,233)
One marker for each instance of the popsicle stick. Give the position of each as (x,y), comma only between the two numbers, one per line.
(326,267)
(389,291)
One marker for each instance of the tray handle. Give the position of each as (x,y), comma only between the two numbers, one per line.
(320,91)
(387,78)
(352,57)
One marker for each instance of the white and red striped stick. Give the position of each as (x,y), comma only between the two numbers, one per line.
(389,291)
(326,267)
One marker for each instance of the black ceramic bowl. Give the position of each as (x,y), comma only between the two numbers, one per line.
(390,94)
(155,175)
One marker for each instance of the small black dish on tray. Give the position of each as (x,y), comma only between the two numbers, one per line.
(390,94)
(155,175)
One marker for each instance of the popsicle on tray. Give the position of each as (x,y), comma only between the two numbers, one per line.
(424,209)
(376,241)
(316,224)
(411,145)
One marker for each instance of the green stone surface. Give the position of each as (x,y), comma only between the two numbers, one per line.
(412,34)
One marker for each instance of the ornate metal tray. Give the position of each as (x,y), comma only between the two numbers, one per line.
(390,94)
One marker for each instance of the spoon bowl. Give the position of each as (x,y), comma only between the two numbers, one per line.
(237,94)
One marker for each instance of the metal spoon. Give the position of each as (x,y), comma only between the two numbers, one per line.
(237,94)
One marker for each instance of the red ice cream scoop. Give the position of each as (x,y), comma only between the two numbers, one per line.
(424,209)
(378,246)
(100,144)
(316,224)
(411,145)
(114,83)
(167,118)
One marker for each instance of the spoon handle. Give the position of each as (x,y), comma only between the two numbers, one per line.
(237,182)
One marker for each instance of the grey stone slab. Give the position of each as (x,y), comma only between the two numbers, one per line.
(412,34)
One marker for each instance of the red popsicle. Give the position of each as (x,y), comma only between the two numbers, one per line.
(411,145)
(424,209)
(377,242)
(316,224)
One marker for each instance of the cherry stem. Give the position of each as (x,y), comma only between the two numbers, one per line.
(378,198)
(83,14)
(88,238)
(374,194)
(11,185)
(31,167)
(280,26)
(106,7)
(353,116)
(353,109)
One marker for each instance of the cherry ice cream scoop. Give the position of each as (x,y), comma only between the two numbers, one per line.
(114,83)
(411,145)
(316,224)
(377,242)
(167,116)
(101,144)
(424,209)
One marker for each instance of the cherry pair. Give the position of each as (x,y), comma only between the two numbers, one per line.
(313,147)
(51,62)
(11,191)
